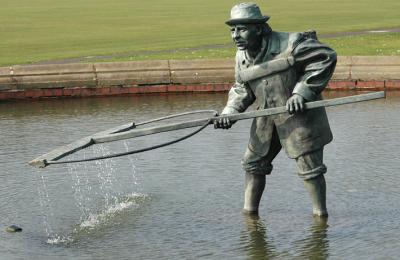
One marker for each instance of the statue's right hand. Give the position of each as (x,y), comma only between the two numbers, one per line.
(223,122)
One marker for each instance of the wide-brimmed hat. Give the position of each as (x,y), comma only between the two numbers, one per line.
(246,13)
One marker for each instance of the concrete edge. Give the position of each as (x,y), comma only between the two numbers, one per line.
(172,76)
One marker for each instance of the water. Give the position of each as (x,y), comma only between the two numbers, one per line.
(183,201)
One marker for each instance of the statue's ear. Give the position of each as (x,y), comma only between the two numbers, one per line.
(259,29)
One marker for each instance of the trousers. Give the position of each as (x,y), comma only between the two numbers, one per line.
(309,165)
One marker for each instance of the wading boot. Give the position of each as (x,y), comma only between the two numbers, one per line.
(316,187)
(254,187)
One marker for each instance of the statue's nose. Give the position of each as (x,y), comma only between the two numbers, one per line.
(235,34)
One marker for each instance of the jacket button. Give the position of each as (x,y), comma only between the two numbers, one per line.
(265,82)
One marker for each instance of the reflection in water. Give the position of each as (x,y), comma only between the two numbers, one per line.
(316,244)
(255,239)
(259,246)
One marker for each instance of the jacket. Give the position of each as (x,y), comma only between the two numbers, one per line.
(288,63)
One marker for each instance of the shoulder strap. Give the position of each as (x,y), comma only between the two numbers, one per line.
(266,68)
(273,66)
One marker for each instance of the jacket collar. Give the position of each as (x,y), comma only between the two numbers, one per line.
(274,44)
(269,48)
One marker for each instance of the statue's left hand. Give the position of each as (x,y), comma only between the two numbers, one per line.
(295,104)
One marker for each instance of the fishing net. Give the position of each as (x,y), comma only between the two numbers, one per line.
(152,127)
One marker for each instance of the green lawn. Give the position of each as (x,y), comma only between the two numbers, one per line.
(375,44)
(37,30)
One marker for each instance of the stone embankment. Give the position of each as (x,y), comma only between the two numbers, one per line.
(169,76)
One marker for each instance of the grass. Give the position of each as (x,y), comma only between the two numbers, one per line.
(33,31)
(372,44)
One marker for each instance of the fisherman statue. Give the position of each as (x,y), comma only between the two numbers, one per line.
(279,69)
(284,74)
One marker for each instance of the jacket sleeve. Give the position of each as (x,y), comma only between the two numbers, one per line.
(315,63)
(240,96)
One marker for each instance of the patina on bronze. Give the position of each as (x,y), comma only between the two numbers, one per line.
(275,69)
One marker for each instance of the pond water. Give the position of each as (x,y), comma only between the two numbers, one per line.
(184,201)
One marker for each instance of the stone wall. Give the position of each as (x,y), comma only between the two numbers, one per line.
(164,76)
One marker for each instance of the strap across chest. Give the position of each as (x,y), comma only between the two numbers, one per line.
(266,68)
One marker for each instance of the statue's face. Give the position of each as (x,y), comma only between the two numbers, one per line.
(246,36)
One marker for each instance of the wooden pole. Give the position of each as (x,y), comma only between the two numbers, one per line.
(129,131)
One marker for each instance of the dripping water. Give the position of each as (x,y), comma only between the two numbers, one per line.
(44,202)
(98,194)
(135,178)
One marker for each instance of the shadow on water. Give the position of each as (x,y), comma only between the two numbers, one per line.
(259,245)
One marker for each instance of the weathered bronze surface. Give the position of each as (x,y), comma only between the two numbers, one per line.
(275,69)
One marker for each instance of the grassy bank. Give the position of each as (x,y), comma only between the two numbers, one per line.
(386,44)
(39,30)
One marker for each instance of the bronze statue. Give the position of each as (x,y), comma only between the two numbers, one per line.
(279,69)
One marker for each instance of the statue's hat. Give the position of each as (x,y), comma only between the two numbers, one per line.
(245,13)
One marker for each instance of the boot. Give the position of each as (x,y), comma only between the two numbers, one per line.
(316,187)
(254,187)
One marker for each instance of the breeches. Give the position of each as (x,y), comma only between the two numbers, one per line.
(309,165)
